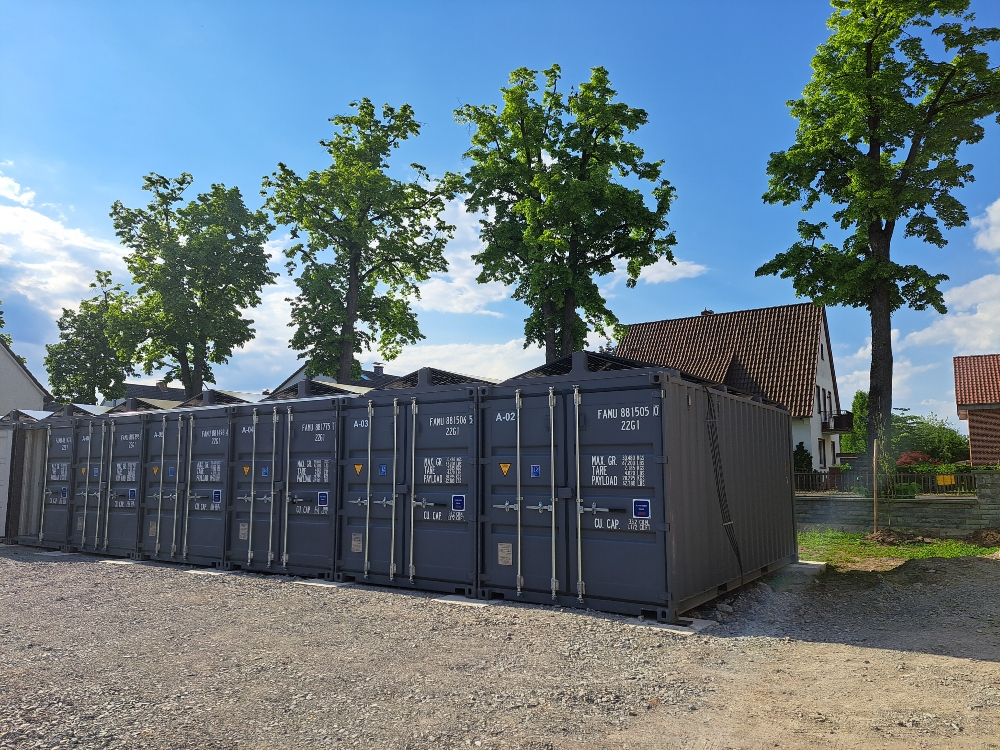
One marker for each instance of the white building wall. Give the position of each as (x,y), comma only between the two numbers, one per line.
(809,430)
(17,391)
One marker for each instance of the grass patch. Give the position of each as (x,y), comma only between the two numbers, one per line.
(839,547)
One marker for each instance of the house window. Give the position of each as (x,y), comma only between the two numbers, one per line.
(821,352)
(822,453)
(819,402)
(833,452)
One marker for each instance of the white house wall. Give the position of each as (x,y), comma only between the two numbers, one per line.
(17,391)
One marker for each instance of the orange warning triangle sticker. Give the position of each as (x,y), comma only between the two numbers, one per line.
(246,471)
(156,470)
(84,471)
(505,468)
(357,469)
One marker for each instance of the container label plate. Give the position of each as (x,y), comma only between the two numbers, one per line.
(323,499)
(505,554)
(536,470)
(640,509)
(458,502)
(244,531)
(356,542)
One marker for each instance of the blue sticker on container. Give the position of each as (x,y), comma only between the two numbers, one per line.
(62,492)
(382,469)
(131,494)
(640,509)
(216,496)
(323,499)
(536,470)
(263,471)
(458,503)
(97,471)
(170,471)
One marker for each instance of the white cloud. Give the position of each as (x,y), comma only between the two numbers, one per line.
(903,372)
(11,190)
(496,361)
(49,263)
(663,271)
(457,290)
(972,325)
(987,226)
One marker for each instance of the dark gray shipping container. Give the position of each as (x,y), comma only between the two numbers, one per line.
(605,486)
(205,486)
(11,461)
(46,506)
(90,474)
(164,485)
(409,495)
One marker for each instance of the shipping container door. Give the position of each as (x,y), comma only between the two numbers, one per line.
(309,538)
(618,545)
(165,456)
(90,471)
(524,495)
(203,515)
(120,525)
(254,518)
(373,491)
(56,496)
(440,538)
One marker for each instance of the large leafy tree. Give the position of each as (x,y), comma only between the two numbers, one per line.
(5,337)
(197,267)
(548,174)
(98,344)
(368,239)
(897,88)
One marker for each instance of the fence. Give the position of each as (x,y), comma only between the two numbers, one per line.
(897,485)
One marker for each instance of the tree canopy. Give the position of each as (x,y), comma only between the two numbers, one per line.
(198,267)
(548,174)
(97,347)
(369,239)
(896,90)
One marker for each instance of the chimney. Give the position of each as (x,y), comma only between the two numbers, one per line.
(207,398)
(162,385)
(706,311)
(379,369)
(304,391)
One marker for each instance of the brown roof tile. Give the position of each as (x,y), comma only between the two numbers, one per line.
(977,380)
(771,350)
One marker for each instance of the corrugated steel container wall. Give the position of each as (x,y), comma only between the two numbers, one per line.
(30,490)
(165,460)
(120,523)
(47,486)
(754,456)
(91,474)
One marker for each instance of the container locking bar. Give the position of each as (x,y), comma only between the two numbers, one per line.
(289,497)
(177,484)
(580,586)
(553,581)
(368,488)
(45,484)
(111,477)
(86,485)
(187,503)
(159,494)
(413,484)
(520,500)
(395,453)
(507,506)
(100,484)
(272,472)
(253,480)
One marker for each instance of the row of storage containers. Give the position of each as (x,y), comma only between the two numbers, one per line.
(590,482)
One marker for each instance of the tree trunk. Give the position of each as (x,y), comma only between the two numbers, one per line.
(346,364)
(549,314)
(198,371)
(880,378)
(569,324)
(182,360)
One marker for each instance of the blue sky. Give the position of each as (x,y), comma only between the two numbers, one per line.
(95,95)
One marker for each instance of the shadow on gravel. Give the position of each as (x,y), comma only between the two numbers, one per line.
(937,606)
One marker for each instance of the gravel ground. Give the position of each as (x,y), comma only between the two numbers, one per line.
(105,655)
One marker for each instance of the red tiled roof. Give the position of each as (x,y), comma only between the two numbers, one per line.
(977,380)
(771,351)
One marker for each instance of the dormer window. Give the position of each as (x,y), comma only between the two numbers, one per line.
(821,356)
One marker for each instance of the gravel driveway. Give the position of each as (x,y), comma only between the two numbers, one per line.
(98,654)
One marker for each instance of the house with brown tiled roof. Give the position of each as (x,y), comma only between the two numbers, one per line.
(780,353)
(977,396)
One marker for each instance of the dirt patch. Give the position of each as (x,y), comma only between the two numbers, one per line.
(985,538)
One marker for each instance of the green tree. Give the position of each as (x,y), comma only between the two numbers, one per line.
(879,127)
(856,441)
(802,459)
(97,347)
(5,337)
(197,267)
(547,175)
(369,239)
(928,434)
